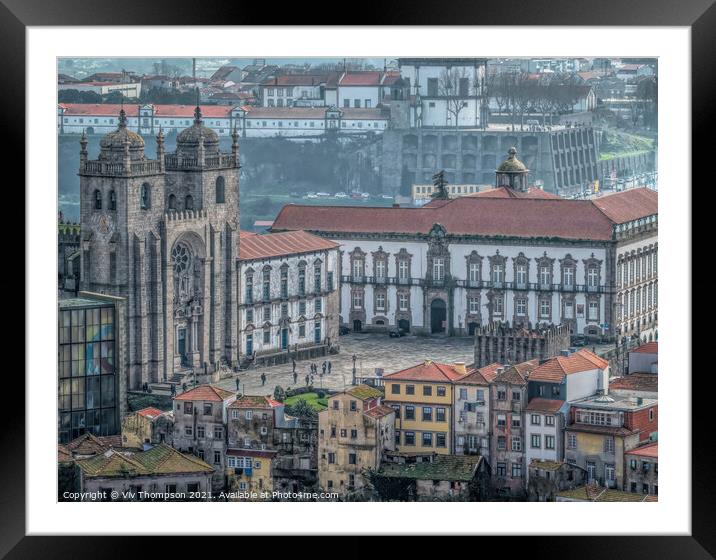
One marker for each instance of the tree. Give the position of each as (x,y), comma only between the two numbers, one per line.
(279,394)
(301,409)
(454,87)
(440,182)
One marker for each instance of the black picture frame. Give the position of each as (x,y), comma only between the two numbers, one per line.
(699,15)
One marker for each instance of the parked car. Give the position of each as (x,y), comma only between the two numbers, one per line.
(311,196)
(323,194)
(365,195)
(386,197)
(340,195)
(396,332)
(578,340)
(343,330)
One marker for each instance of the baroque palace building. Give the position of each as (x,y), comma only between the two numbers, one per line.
(513,254)
(164,234)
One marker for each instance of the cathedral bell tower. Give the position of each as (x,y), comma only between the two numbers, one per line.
(121,210)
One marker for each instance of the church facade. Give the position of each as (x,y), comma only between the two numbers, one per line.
(164,233)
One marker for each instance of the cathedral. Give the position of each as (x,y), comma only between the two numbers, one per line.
(164,233)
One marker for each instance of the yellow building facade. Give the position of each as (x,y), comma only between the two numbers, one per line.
(422,397)
(249,473)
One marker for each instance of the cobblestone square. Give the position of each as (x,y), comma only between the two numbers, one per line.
(371,351)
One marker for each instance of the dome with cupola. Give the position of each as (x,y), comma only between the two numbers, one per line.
(512,164)
(113,145)
(189,139)
(512,173)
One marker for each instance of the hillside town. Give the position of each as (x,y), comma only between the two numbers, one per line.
(468,313)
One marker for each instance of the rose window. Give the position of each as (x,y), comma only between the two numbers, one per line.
(181,258)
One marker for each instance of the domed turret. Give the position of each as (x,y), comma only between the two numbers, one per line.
(512,173)
(114,144)
(190,139)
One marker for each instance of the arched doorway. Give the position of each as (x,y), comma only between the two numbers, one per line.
(471,328)
(357,325)
(404,324)
(438,316)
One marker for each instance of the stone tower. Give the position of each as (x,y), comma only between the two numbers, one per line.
(164,233)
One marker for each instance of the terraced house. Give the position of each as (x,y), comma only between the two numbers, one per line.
(354,432)
(200,418)
(422,397)
(472,426)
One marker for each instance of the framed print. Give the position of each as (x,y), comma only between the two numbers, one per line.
(310,276)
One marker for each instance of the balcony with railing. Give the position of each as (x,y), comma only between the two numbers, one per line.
(179,162)
(114,168)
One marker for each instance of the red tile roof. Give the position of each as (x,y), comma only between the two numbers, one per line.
(636,382)
(500,217)
(506,192)
(648,348)
(361,79)
(516,374)
(481,376)
(379,411)
(150,412)
(648,450)
(253,401)
(112,110)
(205,393)
(539,404)
(555,369)
(269,245)
(628,205)
(315,113)
(428,371)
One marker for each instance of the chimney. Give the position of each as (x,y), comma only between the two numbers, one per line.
(460,366)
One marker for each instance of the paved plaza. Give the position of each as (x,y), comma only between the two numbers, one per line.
(371,351)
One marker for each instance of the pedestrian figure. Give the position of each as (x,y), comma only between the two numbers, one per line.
(237,383)
(294,365)
(174,390)
(307,379)
(183,386)
(329,367)
(295,377)
(263,379)
(324,368)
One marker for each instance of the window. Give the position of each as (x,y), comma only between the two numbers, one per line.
(97,200)
(549,442)
(352,460)
(549,420)
(651,415)
(515,396)
(188,408)
(473,305)
(409,438)
(395,389)
(516,470)
(427,440)
(536,441)
(441,391)
(501,469)
(220,199)
(267,336)
(403,301)
(535,419)
(249,315)
(427,414)
(217,457)
(145,197)
(593,310)
(516,443)
(331,458)
(440,440)
(403,272)
(357,300)
(521,307)
(498,273)
(568,276)
(318,305)
(218,432)
(427,390)
(592,277)
(200,432)
(440,414)
(645,488)
(354,434)
(516,421)
(501,394)
(189,202)
(249,414)
(545,273)
(463,394)
(610,473)
(545,308)
(410,389)
(354,406)
(474,272)
(608,445)
(501,420)
(438,269)
(501,442)
(497,304)
(317,279)
(112,200)
(571,441)
(410,412)
(208,409)
(380,301)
